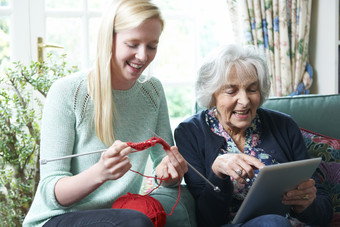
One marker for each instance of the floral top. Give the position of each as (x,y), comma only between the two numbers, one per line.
(253,139)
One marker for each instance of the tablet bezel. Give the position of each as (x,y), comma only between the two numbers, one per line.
(265,195)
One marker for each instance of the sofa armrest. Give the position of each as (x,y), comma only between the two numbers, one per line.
(184,213)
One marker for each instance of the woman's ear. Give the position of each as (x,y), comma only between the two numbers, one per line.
(213,101)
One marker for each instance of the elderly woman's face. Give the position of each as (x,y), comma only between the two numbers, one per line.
(237,102)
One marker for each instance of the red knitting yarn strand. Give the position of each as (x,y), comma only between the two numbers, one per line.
(161,179)
(179,195)
(145,203)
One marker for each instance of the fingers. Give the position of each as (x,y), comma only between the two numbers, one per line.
(114,161)
(118,149)
(172,167)
(238,166)
(301,197)
(177,162)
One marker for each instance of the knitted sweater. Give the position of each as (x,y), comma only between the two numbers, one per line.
(68,128)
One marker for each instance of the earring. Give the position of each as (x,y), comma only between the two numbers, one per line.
(215,111)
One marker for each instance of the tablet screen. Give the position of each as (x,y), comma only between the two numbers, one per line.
(265,195)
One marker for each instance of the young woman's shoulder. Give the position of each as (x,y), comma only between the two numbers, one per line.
(69,85)
(152,82)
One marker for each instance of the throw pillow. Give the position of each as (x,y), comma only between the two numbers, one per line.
(329,170)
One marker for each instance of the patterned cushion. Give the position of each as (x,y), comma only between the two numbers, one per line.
(329,169)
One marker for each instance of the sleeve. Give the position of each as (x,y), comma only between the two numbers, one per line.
(57,138)
(320,211)
(212,207)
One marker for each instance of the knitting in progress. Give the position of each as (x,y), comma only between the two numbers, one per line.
(146,204)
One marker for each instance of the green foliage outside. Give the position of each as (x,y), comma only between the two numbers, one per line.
(22,91)
(180,101)
(4,42)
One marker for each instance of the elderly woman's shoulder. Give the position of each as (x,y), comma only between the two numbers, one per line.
(195,119)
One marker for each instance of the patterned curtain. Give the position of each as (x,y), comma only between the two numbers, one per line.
(281,29)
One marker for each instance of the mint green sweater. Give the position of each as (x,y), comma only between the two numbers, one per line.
(68,128)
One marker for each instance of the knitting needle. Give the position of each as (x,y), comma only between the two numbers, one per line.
(216,188)
(45,161)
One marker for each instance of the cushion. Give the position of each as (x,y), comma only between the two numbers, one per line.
(329,170)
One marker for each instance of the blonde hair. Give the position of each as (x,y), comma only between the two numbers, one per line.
(120,15)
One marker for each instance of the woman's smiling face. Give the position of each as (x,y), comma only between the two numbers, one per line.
(133,51)
(237,101)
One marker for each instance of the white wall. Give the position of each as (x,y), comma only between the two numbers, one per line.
(323,46)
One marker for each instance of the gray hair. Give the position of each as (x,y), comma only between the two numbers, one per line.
(214,71)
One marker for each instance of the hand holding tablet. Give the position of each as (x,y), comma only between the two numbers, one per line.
(265,195)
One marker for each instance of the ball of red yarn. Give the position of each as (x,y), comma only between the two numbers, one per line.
(146,204)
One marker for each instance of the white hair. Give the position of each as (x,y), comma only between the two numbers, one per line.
(215,69)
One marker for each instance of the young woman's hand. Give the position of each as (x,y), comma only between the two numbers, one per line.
(114,162)
(172,167)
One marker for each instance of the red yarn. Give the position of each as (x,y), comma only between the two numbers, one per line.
(146,204)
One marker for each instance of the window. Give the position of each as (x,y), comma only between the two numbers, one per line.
(4,33)
(192,29)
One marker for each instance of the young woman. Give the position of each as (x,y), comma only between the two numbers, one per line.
(104,109)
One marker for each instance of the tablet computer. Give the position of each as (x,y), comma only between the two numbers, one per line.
(265,195)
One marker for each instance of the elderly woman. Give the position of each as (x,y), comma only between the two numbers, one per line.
(233,138)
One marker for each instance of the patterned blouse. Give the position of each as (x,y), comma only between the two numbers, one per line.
(253,139)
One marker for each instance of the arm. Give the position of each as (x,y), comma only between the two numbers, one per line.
(112,165)
(317,210)
(212,208)
(63,182)
(289,141)
(173,166)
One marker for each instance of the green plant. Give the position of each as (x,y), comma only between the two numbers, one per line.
(22,91)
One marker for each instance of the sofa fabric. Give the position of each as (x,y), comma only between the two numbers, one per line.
(317,113)
(329,169)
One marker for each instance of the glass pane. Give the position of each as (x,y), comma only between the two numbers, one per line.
(68,36)
(180,100)
(171,5)
(213,32)
(4,43)
(63,4)
(175,60)
(97,4)
(3,3)
(93,32)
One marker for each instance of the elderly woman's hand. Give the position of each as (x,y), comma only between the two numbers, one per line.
(301,197)
(238,166)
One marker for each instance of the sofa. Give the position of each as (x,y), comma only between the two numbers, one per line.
(318,117)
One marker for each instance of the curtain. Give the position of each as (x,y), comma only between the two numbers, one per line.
(280,28)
